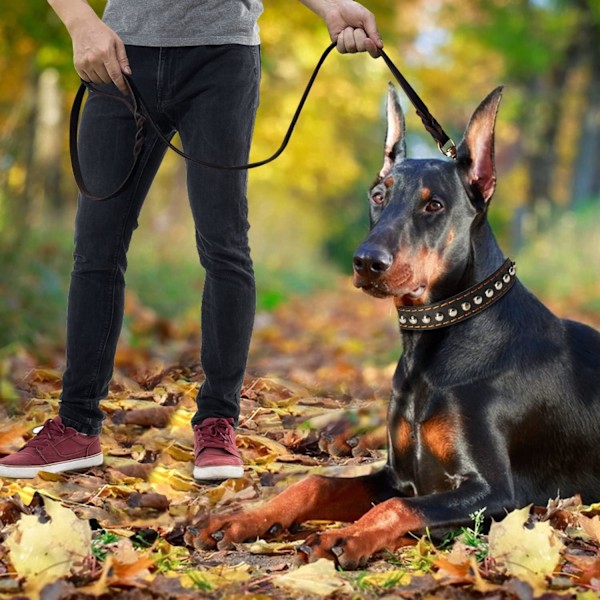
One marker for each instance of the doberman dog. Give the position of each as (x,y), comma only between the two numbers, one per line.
(495,401)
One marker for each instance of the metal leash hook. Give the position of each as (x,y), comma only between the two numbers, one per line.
(448,149)
(142,115)
(445,144)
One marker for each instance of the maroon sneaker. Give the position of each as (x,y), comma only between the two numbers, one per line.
(215,451)
(55,448)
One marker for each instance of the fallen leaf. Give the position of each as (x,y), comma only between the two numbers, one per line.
(128,565)
(151,500)
(264,547)
(43,548)
(529,551)
(216,577)
(319,578)
(387,579)
(591,526)
(157,416)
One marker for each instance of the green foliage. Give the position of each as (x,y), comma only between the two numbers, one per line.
(308,210)
(33,282)
(472,537)
(562,261)
(518,29)
(101,543)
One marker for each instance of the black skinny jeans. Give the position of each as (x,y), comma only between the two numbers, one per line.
(209,94)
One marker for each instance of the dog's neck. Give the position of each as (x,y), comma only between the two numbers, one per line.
(483,259)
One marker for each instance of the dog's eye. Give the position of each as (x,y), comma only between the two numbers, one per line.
(377,198)
(434,205)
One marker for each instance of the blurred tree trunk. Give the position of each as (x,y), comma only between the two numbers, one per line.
(542,122)
(586,170)
(18,150)
(32,147)
(48,137)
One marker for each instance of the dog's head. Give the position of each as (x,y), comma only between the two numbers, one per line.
(423,212)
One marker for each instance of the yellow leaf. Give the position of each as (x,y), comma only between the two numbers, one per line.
(181,418)
(264,547)
(319,578)
(180,452)
(26,492)
(587,595)
(45,550)
(530,552)
(171,477)
(386,579)
(215,577)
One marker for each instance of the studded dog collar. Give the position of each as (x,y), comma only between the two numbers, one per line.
(462,306)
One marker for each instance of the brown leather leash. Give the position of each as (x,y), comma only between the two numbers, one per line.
(135,103)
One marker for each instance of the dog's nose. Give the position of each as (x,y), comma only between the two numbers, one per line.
(371,263)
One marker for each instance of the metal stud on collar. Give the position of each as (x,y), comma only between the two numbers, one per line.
(462,306)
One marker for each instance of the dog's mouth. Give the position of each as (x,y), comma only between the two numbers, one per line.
(407,292)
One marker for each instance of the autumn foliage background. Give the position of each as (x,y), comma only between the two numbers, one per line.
(323,353)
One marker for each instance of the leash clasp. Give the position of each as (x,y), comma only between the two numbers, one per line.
(448,149)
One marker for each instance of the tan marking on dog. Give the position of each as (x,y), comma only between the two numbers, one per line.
(439,436)
(398,274)
(424,267)
(403,439)
(388,182)
(426,194)
(450,237)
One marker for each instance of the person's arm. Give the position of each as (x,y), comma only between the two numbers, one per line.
(350,25)
(99,54)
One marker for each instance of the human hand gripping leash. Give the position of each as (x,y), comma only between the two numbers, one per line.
(135,103)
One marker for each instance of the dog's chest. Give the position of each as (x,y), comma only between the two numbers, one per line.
(426,443)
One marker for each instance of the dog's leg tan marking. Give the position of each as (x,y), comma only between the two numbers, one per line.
(322,498)
(384,527)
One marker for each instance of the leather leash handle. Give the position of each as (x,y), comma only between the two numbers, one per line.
(142,115)
(133,106)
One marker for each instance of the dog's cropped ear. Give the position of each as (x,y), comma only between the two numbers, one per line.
(475,153)
(395,144)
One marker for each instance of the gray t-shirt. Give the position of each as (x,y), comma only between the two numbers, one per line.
(184,22)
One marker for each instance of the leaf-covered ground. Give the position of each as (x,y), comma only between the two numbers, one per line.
(314,401)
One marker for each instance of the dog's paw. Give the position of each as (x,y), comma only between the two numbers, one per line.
(344,546)
(221,532)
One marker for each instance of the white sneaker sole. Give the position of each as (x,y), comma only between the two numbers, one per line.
(218,473)
(21,472)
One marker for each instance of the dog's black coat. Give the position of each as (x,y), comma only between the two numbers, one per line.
(499,411)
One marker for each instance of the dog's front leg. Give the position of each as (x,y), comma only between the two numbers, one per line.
(387,524)
(316,497)
(384,526)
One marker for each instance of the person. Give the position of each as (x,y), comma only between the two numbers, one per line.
(197,65)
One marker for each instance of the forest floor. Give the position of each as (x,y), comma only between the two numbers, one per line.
(314,401)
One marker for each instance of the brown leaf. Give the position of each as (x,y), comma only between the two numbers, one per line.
(150,500)
(590,570)
(157,416)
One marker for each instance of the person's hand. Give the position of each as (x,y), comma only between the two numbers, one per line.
(99,53)
(352,27)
